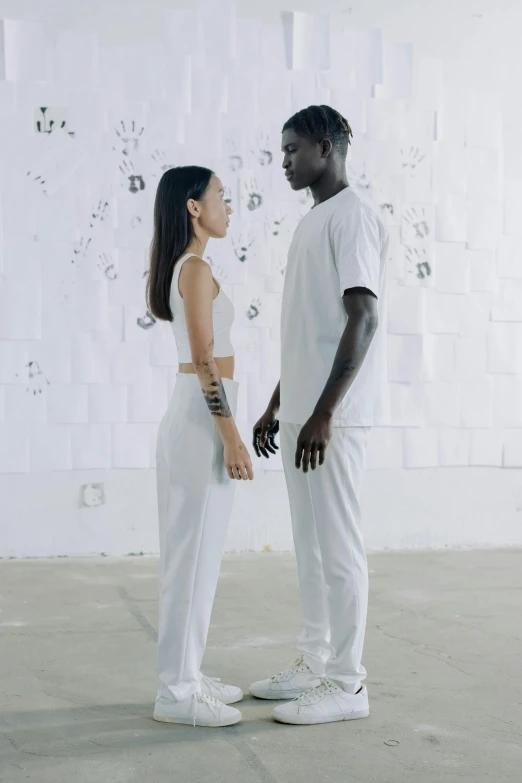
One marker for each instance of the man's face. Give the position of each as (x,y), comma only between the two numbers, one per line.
(303,160)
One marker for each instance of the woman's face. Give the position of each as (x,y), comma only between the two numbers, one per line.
(213,212)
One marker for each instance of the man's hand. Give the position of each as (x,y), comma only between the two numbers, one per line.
(264,434)
(313,440)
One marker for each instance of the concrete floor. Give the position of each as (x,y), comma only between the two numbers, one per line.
(443,655)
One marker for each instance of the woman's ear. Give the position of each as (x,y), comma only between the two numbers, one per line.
(193,208)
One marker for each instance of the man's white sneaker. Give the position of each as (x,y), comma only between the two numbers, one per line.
(325,703)
(228,694)
(288,684)
(196,710)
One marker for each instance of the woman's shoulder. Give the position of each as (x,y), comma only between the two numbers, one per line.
(195,264)
(195,272)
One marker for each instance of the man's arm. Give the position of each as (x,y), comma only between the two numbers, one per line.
(361,307)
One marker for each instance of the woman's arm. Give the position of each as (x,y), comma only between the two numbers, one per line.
(196,286)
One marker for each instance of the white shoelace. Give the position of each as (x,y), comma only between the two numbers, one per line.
(213,682)
(298,666)
(213,704)
(311,696)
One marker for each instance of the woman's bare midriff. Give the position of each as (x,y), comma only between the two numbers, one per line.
(225,365)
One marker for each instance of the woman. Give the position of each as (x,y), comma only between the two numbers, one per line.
(199,451)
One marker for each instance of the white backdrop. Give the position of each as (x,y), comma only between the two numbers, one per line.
(86,372)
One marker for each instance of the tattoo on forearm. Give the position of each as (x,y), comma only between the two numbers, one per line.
(342,368)
(216,400)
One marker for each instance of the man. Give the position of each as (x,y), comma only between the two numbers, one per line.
(333,375)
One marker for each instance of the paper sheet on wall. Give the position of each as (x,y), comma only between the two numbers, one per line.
(50,447)
(22,405)
(76,58)
(88,306)
(23,51)
(91,358)
(307,40)
(484,173)
(21,258)
(428,83)
(451,219)
(218,23)
(361,50)
(131,445)
(53,160)
(484,224)
(350,103)
(20,310)
(406,404)
(129,285)
(131,363)
(513,207)
(381,119)
(183,33)
(483,120)
(449,168)
(416,165)
(508,257)
(397,81)
(147,401)
(451,116)
(178,80)
(68,404)
(247,345)
(404,358)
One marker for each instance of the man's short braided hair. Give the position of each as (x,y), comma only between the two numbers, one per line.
(322,122)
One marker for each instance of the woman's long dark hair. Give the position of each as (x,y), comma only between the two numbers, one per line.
(173,230)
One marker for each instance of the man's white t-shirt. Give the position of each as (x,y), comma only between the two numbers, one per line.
(341,243)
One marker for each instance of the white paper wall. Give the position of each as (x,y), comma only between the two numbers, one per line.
(86,371)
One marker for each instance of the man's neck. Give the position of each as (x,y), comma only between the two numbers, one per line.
(329,185)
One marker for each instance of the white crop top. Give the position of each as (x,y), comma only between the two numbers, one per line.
(222,319)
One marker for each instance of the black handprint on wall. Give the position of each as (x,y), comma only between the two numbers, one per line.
(146,321)
(254,309)
(412,158)
(80,249)
(99,213)
(418,263)
(128,137)
(416,218)
(36,380)
(136,181)
(160,159)
(241,250)
(107,266)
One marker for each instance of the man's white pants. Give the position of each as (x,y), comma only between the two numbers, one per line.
(331,559)
(195,497)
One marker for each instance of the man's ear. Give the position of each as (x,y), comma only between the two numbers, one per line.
(326,148)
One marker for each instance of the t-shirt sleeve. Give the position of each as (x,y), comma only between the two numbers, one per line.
(357,250)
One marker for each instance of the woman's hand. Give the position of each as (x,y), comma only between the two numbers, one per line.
(237,460)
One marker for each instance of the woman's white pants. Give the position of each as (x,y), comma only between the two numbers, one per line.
(195,497)
(331,560)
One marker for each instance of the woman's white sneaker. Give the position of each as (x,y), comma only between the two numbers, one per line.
(325,703)
(228,694)
(196,710)
(288,684)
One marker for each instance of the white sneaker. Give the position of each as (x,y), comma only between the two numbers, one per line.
(288,684)
(326,703)
(228,694)
(196,710)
